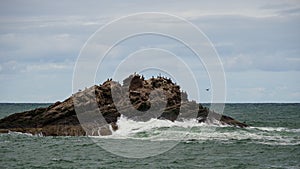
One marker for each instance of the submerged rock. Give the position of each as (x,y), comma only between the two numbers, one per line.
(95,110)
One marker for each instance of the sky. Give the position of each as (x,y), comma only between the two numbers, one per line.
(258,43)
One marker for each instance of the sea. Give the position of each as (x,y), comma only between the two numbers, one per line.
(271,141)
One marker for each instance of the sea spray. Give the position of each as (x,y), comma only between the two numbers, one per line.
(187,130)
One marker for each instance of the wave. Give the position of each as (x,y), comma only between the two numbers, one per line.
(25,134)
(276,129)
(191,130)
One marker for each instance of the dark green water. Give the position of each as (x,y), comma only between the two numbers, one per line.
(273,141)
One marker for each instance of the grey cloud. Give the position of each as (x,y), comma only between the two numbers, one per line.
(276,6)
(265,42)
(39,41)
(282,9)
(234,36)
(290,11)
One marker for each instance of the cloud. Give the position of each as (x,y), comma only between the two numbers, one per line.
(48,67)
(13,67)
(35,47)
(283,9)
(290,11)
(263,86)
(40,40)
(249,43)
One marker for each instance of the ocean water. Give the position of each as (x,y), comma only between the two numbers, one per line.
(272,141)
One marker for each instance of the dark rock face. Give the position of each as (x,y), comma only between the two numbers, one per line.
(137,98)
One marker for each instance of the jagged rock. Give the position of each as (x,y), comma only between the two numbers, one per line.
(137,98)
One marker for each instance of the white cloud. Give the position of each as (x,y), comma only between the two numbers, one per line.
(47,67)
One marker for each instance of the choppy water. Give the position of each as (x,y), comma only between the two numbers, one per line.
(273,141)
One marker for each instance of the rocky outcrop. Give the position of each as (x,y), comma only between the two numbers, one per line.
(137,98)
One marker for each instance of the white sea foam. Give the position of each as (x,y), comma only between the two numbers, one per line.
(279,129)
(25,134)
(191,130)
(19,133)
(158,130)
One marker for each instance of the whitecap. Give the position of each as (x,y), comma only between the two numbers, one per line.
(164,130)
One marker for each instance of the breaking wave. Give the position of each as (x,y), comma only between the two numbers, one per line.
(191,131)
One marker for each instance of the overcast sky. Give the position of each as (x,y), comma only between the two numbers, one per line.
(258,43)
